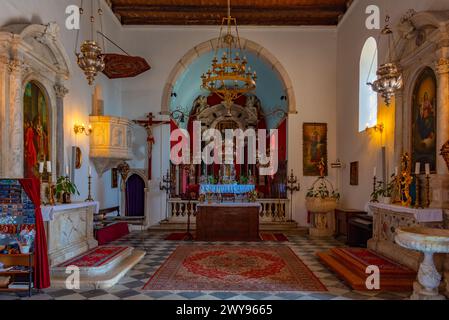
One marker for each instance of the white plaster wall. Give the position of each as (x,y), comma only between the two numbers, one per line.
(77,105)
(352,145)
(308,55)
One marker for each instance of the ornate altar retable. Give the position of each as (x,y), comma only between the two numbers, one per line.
(388,218)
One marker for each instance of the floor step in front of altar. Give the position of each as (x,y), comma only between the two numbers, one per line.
(264,226)
(102,276)
(352,269)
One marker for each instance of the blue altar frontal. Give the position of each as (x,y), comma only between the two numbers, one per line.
(226,188)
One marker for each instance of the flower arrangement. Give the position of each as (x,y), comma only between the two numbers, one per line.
(384,190)
(211,180)
(252,196)
(65,188)
(322,197)
(244,180)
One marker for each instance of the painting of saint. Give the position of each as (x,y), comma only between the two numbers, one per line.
(36,129)
(424,148)
(315,149)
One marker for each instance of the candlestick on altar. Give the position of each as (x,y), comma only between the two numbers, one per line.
(89,185)
(167,185)
(374,199)
(427,190)
(292,187)
(418,192)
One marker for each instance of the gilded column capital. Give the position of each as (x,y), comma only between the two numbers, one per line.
(60,91)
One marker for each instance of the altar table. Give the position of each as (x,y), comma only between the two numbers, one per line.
(226,188)
(228,222)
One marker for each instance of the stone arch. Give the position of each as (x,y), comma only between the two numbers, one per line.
(210,45)
(32,52)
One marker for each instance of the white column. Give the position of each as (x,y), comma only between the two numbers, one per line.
(443,106)
(16,152)
(60,91)
(3,121)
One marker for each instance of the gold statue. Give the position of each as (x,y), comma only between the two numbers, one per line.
(405,180)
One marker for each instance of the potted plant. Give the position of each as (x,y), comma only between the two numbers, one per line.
(384,191)
(322,197)
(65,188)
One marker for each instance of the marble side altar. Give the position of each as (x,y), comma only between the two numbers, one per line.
(69,230)
(388,218)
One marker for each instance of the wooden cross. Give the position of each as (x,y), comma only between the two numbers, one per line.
(148,124)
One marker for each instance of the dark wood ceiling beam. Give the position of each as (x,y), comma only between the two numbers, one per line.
(253,21)
(247,12)
(216,9)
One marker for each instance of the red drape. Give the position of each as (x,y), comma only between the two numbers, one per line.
(41,270)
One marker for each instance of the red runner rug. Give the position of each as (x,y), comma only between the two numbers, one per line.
(234,268)
(276,237)
(94,258)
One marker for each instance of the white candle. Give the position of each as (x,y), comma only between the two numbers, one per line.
(418,168)
(41,167)
(49,166)
(396,171)
(67,171)
(375,172)
(90,171)
(427,169)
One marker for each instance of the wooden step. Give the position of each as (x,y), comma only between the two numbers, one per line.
(357,280)
(360,267)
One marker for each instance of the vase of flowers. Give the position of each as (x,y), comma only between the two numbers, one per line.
(322,197)
(65,188)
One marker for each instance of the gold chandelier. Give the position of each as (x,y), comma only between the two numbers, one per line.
(231,77)
(91,57)
(389,77)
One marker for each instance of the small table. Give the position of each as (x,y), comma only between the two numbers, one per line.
(228,222)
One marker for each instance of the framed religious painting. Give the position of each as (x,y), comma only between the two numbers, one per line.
(36,130)
(424,117)
(354,174)
(315,149)
(114,178)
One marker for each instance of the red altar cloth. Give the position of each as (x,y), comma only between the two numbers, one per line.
(111,232)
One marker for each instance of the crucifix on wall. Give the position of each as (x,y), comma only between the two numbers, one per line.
(149,124)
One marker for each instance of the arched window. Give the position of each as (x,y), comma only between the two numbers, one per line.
(367,97)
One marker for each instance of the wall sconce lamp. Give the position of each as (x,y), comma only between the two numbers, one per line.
(380,127)
(81,128)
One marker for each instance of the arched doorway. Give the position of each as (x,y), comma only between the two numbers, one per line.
(135,196)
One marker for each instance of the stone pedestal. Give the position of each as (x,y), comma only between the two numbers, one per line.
(323,225)
(69,230)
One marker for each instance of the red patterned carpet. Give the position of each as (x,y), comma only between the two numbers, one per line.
(234,268)
(95,257)
(277,237)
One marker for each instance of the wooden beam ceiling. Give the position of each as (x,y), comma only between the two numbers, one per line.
(247,12)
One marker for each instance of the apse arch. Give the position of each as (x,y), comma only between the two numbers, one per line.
(209,46)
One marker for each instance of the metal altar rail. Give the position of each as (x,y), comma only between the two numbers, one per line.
(273,210)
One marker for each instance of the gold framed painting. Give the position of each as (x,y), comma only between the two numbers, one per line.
(314,149)
(424,121)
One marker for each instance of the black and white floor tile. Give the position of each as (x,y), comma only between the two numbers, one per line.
(158,250)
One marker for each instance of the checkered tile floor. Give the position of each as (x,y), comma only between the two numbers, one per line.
(158,250)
